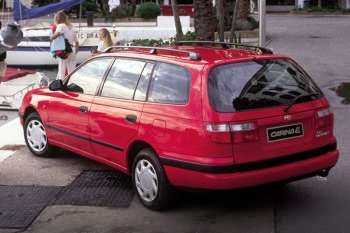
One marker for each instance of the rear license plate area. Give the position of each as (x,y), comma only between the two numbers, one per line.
(285,132)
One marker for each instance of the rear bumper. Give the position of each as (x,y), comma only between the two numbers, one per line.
(195,178)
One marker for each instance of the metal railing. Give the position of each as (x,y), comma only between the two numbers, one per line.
(7,103)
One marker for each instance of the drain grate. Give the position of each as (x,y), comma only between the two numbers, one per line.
(98,188)
(20,205)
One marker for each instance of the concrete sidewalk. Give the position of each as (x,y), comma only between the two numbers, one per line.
(238,211)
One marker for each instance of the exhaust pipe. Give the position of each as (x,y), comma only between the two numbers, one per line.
(323,173)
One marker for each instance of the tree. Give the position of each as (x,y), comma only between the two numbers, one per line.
(104,8)
(220,12)
(243,9)
(204,19)
(233,24)
(43,2)
(179,33)
(244,21)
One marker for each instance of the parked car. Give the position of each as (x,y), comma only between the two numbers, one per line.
(190,116)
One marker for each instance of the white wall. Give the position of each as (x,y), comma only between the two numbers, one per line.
(168,21)
(300,3)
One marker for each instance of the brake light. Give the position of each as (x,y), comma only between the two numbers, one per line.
(219,133)
(324,122)
(236,133)
(245,132)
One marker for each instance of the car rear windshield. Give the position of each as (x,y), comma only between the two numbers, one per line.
(259,84)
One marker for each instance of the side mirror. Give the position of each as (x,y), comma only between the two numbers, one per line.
(56,85)
(75,88)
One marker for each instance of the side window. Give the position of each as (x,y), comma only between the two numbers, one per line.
(170,84)
(142,86)
(88,77)
(122,79)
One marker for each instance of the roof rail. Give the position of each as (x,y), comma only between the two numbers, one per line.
(227,45)
(153,50)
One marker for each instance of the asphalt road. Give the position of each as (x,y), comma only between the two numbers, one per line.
(7,116)
(322,46)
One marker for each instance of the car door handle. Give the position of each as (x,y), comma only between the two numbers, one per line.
(131,118)
(83,109)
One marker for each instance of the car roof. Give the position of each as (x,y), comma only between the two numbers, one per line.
(181,54)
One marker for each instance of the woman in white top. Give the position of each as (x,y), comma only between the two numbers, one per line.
(104,42)
(65,28)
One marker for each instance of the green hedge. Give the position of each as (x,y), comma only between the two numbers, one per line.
(148,10)
(122,11)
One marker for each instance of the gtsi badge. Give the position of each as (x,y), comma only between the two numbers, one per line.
(285,132)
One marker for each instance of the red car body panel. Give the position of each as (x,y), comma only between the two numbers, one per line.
(177,133)
(195,179)
(106,118)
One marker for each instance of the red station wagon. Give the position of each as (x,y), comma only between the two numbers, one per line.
(199,115)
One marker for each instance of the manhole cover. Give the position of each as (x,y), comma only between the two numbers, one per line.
(98,188)
(20,205)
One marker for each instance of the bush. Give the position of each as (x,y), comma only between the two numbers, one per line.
(122,11)
(189,36)
(148,10)
(148,42)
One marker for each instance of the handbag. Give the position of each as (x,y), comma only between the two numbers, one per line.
(60,47)
(68,47)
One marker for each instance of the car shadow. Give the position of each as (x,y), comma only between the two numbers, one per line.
(238,198)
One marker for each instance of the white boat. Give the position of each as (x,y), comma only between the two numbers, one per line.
(34,50)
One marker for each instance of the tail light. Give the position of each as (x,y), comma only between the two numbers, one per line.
(324,122)
(246,132)
(219,133)
(236,133)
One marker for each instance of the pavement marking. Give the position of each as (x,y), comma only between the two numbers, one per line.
(11,134)
(5,154)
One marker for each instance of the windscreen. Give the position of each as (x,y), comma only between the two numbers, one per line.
(259,84)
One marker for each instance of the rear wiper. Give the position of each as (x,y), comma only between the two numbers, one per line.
(298,98)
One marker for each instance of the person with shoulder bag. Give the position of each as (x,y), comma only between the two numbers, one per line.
(10,37)
(67,60)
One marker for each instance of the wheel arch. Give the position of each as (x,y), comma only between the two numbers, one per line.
(134,148)
(30,109)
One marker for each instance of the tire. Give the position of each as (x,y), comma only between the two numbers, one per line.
(144,177)
(35,136)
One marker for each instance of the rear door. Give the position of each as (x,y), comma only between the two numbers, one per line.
(116,112)
(270,106)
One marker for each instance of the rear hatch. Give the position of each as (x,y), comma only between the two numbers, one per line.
(271,108)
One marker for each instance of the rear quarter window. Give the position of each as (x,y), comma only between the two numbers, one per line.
(169,84)
(258,84)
